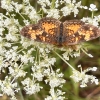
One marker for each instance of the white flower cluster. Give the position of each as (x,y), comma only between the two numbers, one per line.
(70,53)
(84,78)
(54,79)
(68,7)
(30,86)
(93,7)
(23,58)
(55,95)
(8,87)
(71,6)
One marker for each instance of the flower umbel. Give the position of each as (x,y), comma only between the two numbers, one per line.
(83,78)
(29,66)
(55,95)
(93,7)
(8,87)
(30,86)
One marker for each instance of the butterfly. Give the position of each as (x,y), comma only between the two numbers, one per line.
(53,31)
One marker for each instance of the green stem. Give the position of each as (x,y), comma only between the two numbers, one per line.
(64,60)
(21,16)
(53,4)
(20,93)
(87,53)
(92,14)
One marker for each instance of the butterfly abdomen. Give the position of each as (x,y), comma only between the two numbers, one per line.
(60,38)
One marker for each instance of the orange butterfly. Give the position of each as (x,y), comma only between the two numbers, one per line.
(53,31)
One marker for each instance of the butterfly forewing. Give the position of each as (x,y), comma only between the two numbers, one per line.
(69,29)
(51,28)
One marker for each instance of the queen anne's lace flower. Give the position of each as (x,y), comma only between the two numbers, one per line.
(83,78)
(31,64)
(93,7)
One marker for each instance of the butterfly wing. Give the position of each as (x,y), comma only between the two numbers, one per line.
(69,30)
(77,31)
(46,30)
(51,29)
(87,32)
(31,31)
